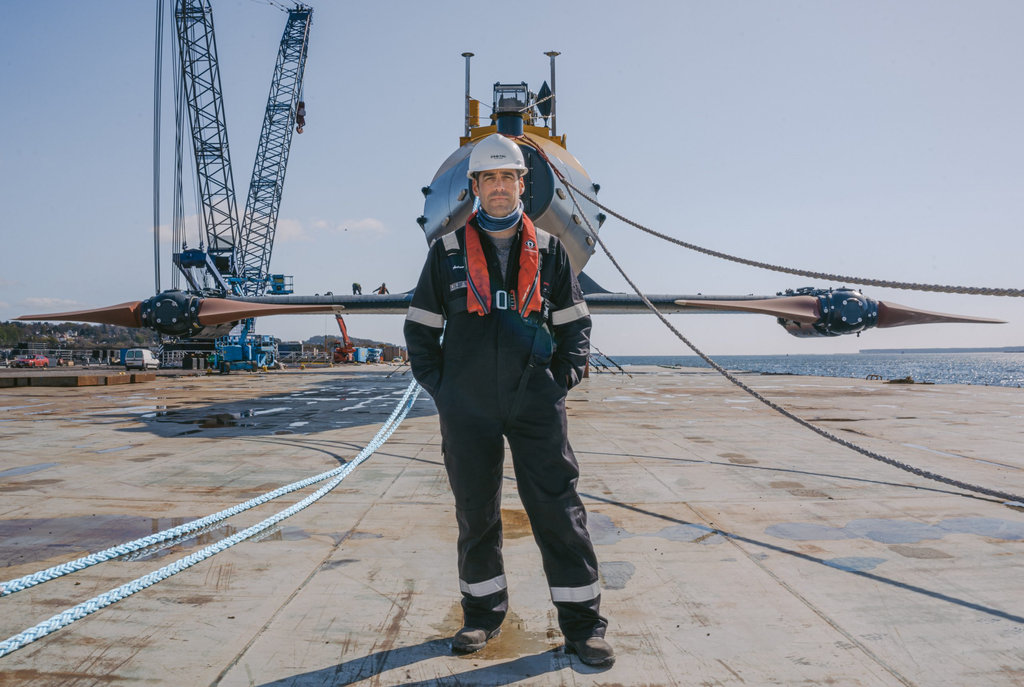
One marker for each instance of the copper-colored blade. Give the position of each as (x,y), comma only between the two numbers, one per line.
(803,309)
(896,315)
(123,315)
(221,310)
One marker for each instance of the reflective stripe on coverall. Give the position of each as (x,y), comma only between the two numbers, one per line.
(474,378)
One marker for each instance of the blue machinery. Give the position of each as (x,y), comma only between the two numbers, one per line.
(237,249)
(244,351)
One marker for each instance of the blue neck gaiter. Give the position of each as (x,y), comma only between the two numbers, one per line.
(492,224)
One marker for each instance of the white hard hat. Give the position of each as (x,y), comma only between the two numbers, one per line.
(495,152)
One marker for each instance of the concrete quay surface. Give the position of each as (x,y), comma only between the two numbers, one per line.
(736,547)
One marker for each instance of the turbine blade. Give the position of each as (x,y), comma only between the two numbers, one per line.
(222,310)
(896,315)
(122,315)
(803,309)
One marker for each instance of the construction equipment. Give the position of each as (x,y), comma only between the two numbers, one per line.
(345,353)
(237,249)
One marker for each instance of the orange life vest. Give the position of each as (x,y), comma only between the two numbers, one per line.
(527,296)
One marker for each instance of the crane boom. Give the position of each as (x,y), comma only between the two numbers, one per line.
(198,51)
(260,220)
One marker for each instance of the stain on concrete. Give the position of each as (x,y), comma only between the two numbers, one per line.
(918,551)
(331,565)
(28,485)
(603,531)
(887,531)
(515,524)
(514,641)
(281,533)
(798,489)
(26,469)
(365,535)
(855,563)
(685,533)
(35,539)
(355,401)
(615,574)
(738,459)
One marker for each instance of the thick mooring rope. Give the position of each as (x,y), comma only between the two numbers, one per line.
(725,373)
(31,580)
(940,288)
(112,596)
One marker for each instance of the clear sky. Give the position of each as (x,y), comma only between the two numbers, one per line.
(874,139)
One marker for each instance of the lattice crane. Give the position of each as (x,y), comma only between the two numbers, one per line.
(238,249)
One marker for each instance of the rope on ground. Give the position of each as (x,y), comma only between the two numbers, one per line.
(21,583)
(70,615)
(940,288)
(771,404)
(609,359)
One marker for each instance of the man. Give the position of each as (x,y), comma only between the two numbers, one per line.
(516,339)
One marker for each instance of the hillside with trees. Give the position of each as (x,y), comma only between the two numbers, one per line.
(97,336)
(74,335)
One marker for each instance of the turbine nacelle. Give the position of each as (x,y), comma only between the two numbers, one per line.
(173,313)
(181,313)
(810,312)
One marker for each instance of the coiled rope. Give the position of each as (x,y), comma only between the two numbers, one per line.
(940,288)
(725,373)
(114,595)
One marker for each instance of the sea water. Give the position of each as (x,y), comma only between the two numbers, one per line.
(984,368)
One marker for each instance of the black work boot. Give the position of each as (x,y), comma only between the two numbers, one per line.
(470,639)
(594,651)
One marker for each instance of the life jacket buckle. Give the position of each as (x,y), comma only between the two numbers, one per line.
(501,299)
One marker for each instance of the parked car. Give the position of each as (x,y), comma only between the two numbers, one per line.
(35,360)
(140,359)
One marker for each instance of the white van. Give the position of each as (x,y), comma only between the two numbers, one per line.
(140,359)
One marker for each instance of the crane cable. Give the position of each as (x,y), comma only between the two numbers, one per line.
(940,288)
(112,596)
(157,88)
(1007,496)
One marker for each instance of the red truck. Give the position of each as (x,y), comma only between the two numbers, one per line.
(35,360)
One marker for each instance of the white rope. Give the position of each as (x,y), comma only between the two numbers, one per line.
(1009,497)
(31,580)
(114,595)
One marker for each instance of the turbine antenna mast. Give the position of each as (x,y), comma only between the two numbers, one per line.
(467,55)
(554,92)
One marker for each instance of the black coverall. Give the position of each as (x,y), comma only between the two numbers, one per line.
(475,377)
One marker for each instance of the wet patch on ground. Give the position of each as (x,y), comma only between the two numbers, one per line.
(515,524)
(603,531)
(798,489)
(738,459)
(854,563)
(924,552)
(35,539)
(887,531)
(514,641)
(615,574)
(331,404)
(26,470)
(28,485)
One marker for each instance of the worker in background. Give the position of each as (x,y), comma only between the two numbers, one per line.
(516,338)
(357,289)
(382,289)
